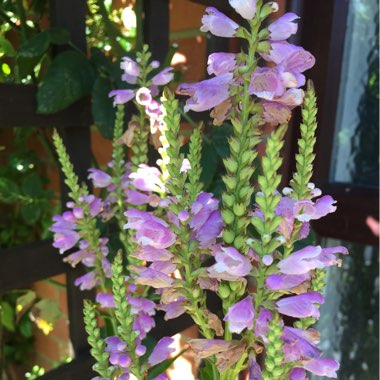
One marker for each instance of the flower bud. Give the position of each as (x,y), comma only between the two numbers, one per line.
(228,216)
(228,236)
(230,164)
(224,290)
(263,47)
(230,183)
(228,199)
(239,209)
(239,243)
(267,9)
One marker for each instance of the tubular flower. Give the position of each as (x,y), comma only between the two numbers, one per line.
(240,316)
(218,24)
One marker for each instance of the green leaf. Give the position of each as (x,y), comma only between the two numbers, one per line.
(58,36)
(36,46)
(102,108)
(32,186)
(26,65)
(163,366)
(68,78)
(6,47)
(25,326)
(7,316)
(30,212)
(9,191)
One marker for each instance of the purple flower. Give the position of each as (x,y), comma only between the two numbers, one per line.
(254,369)
(322,367)
(185,166)
(301,306)
(173,309)
(165,267)
(115,344)
(310,258)
(266,83)
(163,77)
(65,240)
(99,178)
(161,376)
(230,265)
(283,27)
(141,305)
(245,8)
(285,281)
(121,96)
(143,323)
(122,360)
(155,234)
(95,204)
(87,281)
(206,94)
(143,96)
(161,351)
(221,63)
(296,346)
(206,221)
(262,324)
(240,315)
(105,300)
(147,178)
(151,277)
(218,24)
(136,198)
(297,374)
(130,66)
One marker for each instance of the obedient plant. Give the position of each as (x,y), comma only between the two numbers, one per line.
(179,244)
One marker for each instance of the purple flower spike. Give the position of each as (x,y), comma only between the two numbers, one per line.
(284,27)
(206,94)
(218,24)
(297,374)
(240,315)
(163,77)
(65,240)
(99,178)
(285,281)
(230,265)
(161,351)
(322,367)
(221,63)
(301,306)
(121,96)
(245,8)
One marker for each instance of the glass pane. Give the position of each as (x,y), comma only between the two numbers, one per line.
(356,143)
(349,322)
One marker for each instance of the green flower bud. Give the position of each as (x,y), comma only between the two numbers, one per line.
(228,199)
(228,236)
(270,364)
(267,9)
(234,145)
(224,290)
(230,183)
(263,47)
(239,243)
(230,164)
(246,192)
(228,216)
(239,209)
(278,371)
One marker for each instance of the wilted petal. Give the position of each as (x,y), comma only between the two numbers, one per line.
(266,83)
(275,113)
(204,348)
(148,253)
(151,277)
(218,24)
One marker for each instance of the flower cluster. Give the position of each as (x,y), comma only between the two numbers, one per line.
(178,243)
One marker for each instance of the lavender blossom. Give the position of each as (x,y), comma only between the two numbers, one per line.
(285,281)
(301,306)
(163,77)
(218,24)
(99,178)
(240,315)
(283,27)
(221,63)
(230,265)
(161,351)
(121,96)
(206,94)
